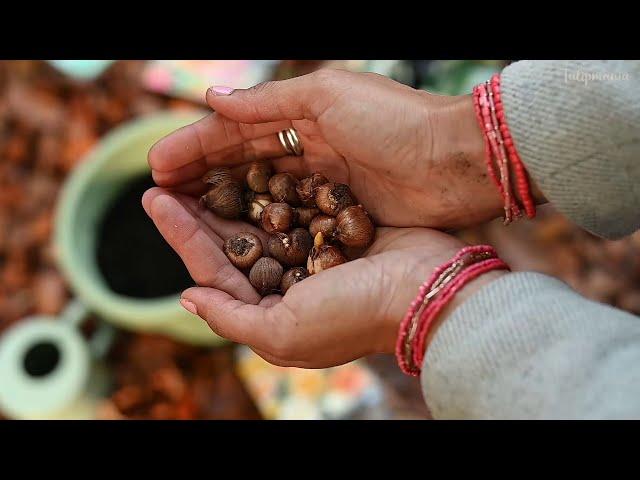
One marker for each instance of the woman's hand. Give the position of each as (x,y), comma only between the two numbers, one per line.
(413,159)
(330,318)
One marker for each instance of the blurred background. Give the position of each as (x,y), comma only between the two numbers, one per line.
(61,358)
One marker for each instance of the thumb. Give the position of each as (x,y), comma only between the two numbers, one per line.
(304,97)
(230,318)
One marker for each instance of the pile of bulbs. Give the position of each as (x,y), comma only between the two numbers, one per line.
(311,222)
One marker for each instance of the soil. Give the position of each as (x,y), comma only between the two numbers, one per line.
(132,255)
(240,246)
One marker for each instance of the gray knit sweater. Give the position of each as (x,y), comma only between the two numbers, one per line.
(526,345)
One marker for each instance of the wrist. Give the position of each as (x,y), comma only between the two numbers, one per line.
(460,163)
(407,278)
(406,291)
(470,289)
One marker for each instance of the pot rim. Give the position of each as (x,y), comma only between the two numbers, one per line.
(115,307)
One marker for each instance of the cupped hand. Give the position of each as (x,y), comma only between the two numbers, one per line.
(411,158)
(330,318)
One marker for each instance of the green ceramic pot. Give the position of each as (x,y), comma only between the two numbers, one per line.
(118,158)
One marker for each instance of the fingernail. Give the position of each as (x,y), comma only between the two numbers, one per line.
(219,90)
(189,306)
(144,202)
(145,209)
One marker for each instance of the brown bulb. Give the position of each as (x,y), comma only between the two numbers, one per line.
(225,199)
(217,176)
(243,249)
(354,228)
(248,196)
(256,206)
(263,196)
(282,187)
(306,189)
(265,275)
(291,277)
(277,217)
(332,198)
(323,256)
(258,177)
(304,215)
(324,224)
(290,249)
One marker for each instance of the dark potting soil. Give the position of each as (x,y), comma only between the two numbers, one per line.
(132,255)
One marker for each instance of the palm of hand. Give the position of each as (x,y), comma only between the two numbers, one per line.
(383,139)
(328,319)
(360,158)
(354,309)
(376,140)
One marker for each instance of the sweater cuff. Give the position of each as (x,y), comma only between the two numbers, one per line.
(580,140)
(527,346)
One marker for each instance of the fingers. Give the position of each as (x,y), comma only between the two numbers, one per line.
(227,228)
(190,182)
(220,229)
(190,204)
(197,246)
(194,188)
(187,173)
(181,147)
(235,157)
(281,362)
(211,134)
(230,318)
(304,97)
(258,326)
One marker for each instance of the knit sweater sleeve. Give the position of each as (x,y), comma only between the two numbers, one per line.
(526,345)
(576,125)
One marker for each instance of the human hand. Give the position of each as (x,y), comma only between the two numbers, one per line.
(330,318)
(412,158)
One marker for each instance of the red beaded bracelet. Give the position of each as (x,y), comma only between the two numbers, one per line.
(501,153)
(491,133)
(487,146)
(433,295)
(439,303)
(521,173)
(489,110)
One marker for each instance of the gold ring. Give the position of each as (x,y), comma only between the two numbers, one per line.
(294,141)
(284,143)
(290,142)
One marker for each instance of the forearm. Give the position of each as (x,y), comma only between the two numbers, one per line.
(579,137)
(527,346)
